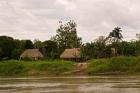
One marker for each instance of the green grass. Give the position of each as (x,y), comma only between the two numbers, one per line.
(60,68)
(56,67)
(115,64)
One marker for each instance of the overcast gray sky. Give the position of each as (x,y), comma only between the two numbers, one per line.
(30,19)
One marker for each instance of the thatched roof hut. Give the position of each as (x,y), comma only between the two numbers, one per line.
(71,54)
(32,53)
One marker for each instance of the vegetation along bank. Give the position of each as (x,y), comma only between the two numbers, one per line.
(115,65)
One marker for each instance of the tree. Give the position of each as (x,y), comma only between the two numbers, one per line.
(115,35)
(137,47)
(28,44)
(124,48)
(50,49)
(7,44)
(20,44)
(38,44)
(95,50)
(88,51)
(16,53)
(67,37)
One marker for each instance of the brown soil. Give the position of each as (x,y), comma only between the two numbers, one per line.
(80,69)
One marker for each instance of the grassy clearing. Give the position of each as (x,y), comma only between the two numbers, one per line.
(114,65)
(14,67)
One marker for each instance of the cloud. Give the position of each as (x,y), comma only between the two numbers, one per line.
(30,19)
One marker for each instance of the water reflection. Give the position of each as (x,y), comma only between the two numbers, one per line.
(95,84)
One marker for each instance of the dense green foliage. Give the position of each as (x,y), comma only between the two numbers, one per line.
(112,45)
(115,64)
(16,53)
(66,36)
(50,49)
(1,53)
(94,50)
(38,44)
(115,35)
(29,44)
(14,67)
(6,46)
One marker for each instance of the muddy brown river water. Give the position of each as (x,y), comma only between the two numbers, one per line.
(95,84)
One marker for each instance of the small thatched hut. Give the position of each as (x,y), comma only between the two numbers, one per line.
(35,54)
(71,54)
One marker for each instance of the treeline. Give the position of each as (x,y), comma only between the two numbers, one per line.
(12,48)
(66,37)
(100,50)
(111,45)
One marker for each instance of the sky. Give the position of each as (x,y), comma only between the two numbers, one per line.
(39,19)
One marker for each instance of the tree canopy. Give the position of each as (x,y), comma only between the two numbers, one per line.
(50,49)
(29,44)
(115,35)
(66,36)
(6,45)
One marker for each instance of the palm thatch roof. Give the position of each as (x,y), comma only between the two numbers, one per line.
(71,53)
(31,53)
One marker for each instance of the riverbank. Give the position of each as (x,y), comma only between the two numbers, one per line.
(110,66)
(115,65)
(35,68)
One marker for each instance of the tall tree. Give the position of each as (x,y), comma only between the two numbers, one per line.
(115,35)
(66,36)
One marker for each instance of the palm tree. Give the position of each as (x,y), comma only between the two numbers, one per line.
(115,35)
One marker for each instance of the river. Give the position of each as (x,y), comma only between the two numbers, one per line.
(94,84)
